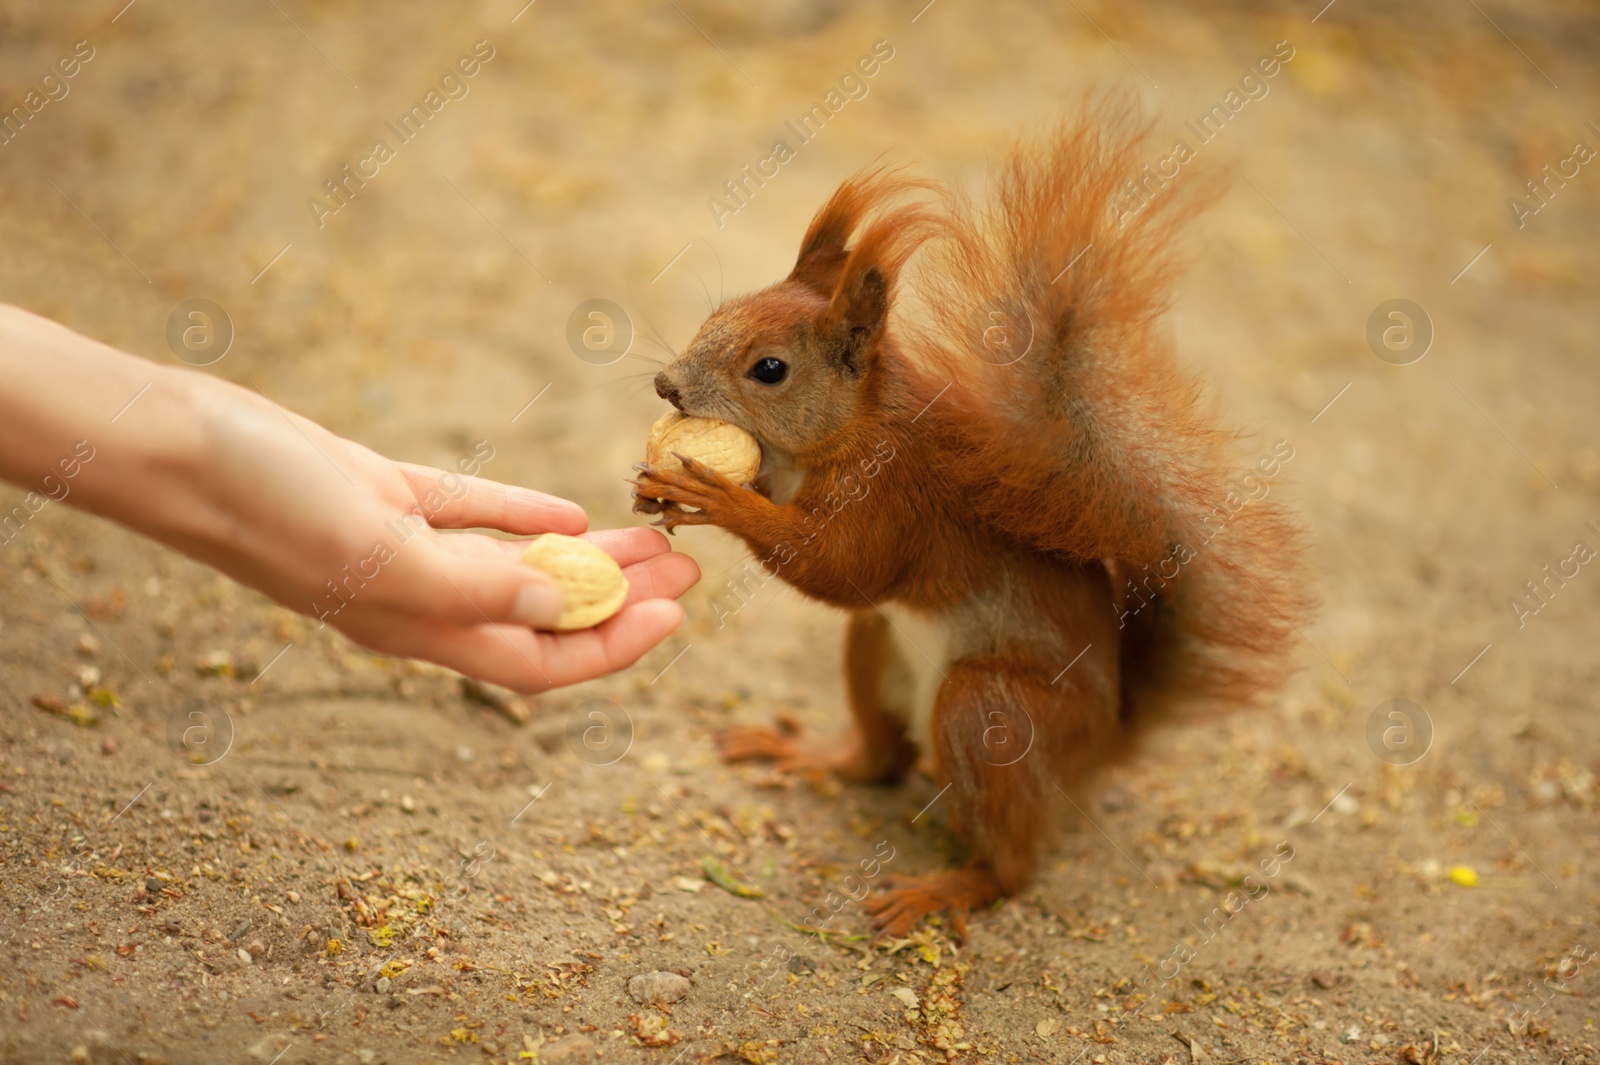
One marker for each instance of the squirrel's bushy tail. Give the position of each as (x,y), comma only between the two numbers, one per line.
(1045,308)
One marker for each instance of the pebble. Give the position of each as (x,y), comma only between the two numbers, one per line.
(659,989)
(256,948)
(382,985)
(108,746)
(573,1050)
(244,956)
(153,885)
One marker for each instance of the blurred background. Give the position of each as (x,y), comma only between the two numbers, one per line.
(1439,469)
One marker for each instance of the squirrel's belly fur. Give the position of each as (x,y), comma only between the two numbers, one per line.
(916,665)
(1054,617)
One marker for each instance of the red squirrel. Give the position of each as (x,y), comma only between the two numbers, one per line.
(989,456)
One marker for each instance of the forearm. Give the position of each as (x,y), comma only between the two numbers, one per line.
(86,424)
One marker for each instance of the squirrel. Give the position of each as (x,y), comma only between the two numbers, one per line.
(996,465)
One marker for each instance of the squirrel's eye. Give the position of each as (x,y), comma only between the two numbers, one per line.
(769,371)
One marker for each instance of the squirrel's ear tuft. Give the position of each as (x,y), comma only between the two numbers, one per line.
(825,247)
(822,250)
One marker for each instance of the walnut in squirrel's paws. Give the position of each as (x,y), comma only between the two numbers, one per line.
(720,446)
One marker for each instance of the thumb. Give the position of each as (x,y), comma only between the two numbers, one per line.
(475,590)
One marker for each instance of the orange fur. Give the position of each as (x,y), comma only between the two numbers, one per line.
(1029,510)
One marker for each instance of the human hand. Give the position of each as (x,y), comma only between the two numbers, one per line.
(330,528)
(321,524)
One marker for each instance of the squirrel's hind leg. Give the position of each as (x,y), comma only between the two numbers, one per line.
(1001,735)
(875,749)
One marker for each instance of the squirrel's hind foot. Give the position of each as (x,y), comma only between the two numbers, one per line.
(791,752)
(897,910)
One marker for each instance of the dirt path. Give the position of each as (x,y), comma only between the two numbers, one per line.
(351,861)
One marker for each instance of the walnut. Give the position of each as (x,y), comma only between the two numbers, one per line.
(590,579)
(722,446)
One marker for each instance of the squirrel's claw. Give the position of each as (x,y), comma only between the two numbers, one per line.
(690,496)
(896,911)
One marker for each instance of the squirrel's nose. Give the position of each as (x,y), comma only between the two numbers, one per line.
(667,390)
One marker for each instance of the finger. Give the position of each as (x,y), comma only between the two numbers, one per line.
(667,576)
(455,501)
(627,546)
(653,571)
(615,644)
(516,657)
(429,581)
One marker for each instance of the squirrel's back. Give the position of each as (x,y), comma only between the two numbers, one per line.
(1076,432)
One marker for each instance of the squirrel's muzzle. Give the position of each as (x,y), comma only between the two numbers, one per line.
(667,390)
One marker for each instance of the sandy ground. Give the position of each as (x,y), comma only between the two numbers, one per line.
(228,836)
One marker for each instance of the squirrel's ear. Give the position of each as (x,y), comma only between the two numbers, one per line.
(858,312)
(862,302)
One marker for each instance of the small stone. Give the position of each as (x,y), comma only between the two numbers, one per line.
(173,926)
(464,753)
(489,1048)
(153,885)
(573,1050)
(293,896)
(395,1002)
(244,956)
(108,746)
(800,964)
(408,804)
(1322,978)
(89,676)
(269,1049)
(382,985)
(256,948)
(87,644)
(658,989)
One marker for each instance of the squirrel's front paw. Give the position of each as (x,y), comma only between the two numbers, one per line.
(693,495)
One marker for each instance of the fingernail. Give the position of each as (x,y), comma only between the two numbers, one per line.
(537,605)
